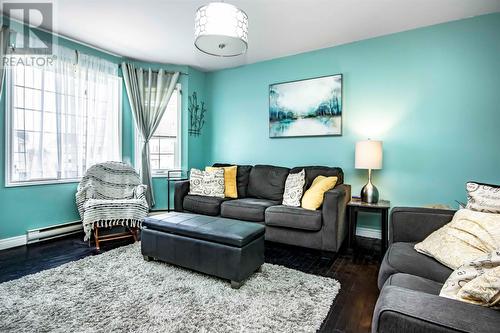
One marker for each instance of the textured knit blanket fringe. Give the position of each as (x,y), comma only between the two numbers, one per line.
(111,194)
(131,223)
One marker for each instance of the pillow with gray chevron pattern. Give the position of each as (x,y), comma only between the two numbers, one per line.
(294,188)
(207,183)
(483,197)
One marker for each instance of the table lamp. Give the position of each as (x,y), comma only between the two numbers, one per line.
(369,156)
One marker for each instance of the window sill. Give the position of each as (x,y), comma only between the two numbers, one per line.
(173,173)
(41,182)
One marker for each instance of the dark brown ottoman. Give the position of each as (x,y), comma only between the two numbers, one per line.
(226,248)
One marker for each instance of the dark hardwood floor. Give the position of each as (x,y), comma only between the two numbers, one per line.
(356,271)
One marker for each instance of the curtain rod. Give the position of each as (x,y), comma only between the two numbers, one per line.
(156,70)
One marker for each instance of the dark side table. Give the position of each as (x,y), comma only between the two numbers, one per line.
(382,207)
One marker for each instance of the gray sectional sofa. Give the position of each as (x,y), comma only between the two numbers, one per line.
(260,193)
(410,283)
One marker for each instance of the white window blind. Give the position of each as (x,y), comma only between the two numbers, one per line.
(61,119)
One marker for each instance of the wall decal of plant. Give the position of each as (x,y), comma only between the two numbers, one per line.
(196,115)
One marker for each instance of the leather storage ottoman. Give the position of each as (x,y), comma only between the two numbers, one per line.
(226,248)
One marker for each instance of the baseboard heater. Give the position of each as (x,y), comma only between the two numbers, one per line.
(51,232)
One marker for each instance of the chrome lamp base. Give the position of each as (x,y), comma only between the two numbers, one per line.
(369,193)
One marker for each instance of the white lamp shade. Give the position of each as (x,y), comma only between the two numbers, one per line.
(221,29)
(368,155)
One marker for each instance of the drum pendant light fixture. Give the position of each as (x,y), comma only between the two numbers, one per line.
(221,29)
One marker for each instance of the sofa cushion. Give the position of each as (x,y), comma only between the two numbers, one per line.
(314,171)
(202,204)
(242,176)
(267,182)
(402,258)
(293,217)
(248,209)
(414,282)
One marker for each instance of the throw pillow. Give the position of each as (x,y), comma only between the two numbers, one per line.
(477,281)
(483,197)
(483,290)
(469,235)
(313,198)
(294,187)
(230,186)
(207,183)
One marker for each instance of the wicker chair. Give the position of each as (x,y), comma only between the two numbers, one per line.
(111,194)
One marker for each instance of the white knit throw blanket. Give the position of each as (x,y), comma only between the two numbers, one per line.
(111,194)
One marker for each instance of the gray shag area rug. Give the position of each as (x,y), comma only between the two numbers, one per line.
(118,291)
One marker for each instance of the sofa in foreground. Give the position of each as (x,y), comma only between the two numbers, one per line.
(410,283)
(260,194)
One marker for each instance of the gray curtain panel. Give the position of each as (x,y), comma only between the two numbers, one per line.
(148,92)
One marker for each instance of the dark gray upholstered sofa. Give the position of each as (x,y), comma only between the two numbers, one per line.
(260,193)
(410,283)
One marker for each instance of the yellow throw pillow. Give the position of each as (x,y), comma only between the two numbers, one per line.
(230,187)
(313,198)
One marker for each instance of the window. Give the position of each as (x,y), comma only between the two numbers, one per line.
(61,119)
(165,144)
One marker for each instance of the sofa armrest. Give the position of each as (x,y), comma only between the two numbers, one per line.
(415,224)
(335,228)
(404,310)
(181,190)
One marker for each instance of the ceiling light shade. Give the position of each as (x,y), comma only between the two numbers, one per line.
(221,29)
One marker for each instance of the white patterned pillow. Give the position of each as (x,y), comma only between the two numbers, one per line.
(483,197)
(294,188)
(207,183)
(476,281)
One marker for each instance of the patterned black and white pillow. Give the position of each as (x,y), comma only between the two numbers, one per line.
(294,188)
(483,197)
(207,183)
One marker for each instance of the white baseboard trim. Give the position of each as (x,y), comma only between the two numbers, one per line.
(368,232)
(44,233)
(53,231)
(8,243)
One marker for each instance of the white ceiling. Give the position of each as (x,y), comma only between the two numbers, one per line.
(162,30)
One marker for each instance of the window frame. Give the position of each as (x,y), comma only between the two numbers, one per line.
(178,157)
(9,119)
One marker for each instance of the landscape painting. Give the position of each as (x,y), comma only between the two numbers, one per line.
(311,107)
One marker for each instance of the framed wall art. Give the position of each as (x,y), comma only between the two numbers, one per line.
(310,107)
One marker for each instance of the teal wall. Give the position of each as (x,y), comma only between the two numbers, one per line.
(28,207)
(198,145)
(432,95)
